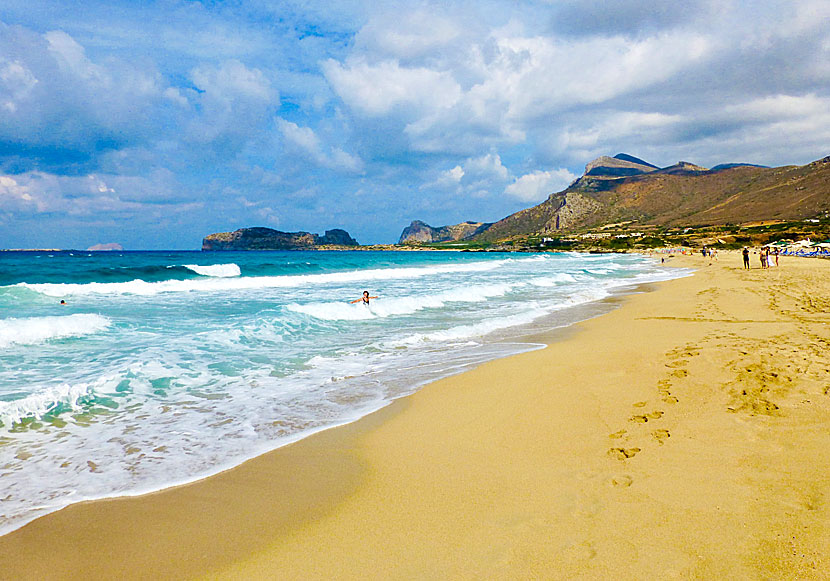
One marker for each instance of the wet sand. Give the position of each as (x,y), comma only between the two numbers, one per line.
(684,435)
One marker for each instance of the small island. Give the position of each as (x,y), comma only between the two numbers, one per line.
(269,239)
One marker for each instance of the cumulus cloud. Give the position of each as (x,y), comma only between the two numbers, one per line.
(56,99)
(233,104)
(307,142)
(421,33)
(378,89)
(537,185)
(16,197)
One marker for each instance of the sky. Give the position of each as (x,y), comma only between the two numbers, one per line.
(154,123)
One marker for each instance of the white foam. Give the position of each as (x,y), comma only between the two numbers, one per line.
(387,307)
(38,404)
(33,330)
(214,284)
(217,270)
(554,280)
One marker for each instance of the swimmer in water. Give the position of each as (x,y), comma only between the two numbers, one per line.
(365,298)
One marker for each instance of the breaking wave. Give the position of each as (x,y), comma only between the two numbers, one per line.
(217,270)
(387,307)
(33,330)
(214,283)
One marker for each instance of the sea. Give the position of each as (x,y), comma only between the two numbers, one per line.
(165,367)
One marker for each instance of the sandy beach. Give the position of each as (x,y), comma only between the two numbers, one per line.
(683,435)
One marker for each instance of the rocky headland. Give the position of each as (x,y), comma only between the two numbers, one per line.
(270,239)
(422,233)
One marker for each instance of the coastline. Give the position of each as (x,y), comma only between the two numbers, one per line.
(574,460)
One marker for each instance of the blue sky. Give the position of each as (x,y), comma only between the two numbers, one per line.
(152,124)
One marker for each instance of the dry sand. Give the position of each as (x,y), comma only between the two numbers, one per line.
(685,435)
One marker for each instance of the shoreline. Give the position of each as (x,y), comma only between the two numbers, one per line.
(538,464)
(526,337)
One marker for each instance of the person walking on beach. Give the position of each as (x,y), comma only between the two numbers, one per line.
(763,258)
(746,258)
(776,257)
(365,298)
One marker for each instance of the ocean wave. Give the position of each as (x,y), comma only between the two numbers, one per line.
(39,404)
(33,330)
(217,270)
(387,307)
(215,284)
(553,280)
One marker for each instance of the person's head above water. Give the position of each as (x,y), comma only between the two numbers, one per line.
(365,298)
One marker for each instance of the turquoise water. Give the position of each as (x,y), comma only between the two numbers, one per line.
(164,367)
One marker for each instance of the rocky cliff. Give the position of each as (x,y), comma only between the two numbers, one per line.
(269,239)
(421,233)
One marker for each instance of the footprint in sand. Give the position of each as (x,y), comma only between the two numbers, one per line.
(660,435)
(623,453)
(623,481)
(642,419)
(668,398)
(617,435)
(640,404)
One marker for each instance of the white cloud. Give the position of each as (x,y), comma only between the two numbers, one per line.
(16,83)
(782,107)
(378,89)
(53,95)
(536,186)
(17,197)
(233,105)
(421,33)
(451,176)
(305,140)
(479,176)
(231,81)
(486,166)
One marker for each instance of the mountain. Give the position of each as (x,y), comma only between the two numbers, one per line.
(268,239)
(617,189)
(620,165)
(421,233)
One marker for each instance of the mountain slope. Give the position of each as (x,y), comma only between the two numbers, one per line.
(680,195)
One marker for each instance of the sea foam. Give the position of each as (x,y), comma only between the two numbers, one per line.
(38,404)
(391,306)
(215,284)
(33,330)
(216,270)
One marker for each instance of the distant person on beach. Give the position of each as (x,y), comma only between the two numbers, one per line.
(746,258)
(365,298)
(776,257)
(763,258)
